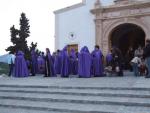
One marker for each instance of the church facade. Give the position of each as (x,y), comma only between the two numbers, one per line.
(123,24)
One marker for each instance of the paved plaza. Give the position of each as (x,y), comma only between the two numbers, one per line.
(128,80)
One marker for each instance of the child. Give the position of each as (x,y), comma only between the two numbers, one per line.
(143,68)
(135,62)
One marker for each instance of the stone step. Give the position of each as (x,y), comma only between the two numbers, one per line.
(145,102)
(75,87)
(55,106)
(85,92)
(6,109)
(70,107)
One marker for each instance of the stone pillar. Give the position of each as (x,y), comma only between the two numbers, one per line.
(99,33)
(105,45)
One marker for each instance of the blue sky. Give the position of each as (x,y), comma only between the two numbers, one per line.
(41,18)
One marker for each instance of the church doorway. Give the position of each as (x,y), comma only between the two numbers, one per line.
(126,36)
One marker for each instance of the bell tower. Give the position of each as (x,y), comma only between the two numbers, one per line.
(97,4)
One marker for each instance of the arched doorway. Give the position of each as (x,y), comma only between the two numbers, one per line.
(127,35)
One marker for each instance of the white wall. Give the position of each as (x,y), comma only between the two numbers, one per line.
(79,21)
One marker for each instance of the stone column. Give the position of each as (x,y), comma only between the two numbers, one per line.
(98,33)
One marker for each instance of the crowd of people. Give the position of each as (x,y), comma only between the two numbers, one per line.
(83,64)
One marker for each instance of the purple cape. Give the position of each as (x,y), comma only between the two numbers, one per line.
(50,61)
(34,63)
(53,57)
(109,57)
(28,63)
(73,63)
(97,65)
(65,63)
(41,65)
(20,69)
(84,64)
(58,63)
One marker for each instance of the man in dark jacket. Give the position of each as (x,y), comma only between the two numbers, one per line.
(146,55)
(117,61)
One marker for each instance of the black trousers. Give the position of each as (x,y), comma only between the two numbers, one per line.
(47,69)
(11,67)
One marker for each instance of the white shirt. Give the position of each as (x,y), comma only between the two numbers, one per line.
(11,59)
(136,60)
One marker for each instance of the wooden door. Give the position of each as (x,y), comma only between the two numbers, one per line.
(72,46)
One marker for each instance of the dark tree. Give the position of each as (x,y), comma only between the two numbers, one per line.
(19,37)
(14,33)
(14,39)
(33,46)
(24,34)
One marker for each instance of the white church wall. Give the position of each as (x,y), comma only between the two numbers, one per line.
(78,21)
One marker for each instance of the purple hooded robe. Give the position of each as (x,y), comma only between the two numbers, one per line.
(20,69)
(51,65)
(65,63)
(58,63)
(41,65)
(84,64)
(97,65)
(34,64)
(73,62)
(109,59)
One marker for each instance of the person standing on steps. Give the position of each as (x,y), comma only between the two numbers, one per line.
(146,56)
(34,64)
(84,63)
(97,62)
(20,69)
(49,67)
(11,62)
(65,62)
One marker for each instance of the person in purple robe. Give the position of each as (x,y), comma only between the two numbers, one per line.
(84,63)
(76,64)
(65,62)
(58,62)
(20,69)
(41,64)
(97,62)
(28,62)
(109,58)
(34,64)
(49,66)
(72,62)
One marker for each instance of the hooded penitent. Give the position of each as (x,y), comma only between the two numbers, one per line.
(97,65)
(34,64)
(58,63)
(20,69)
(73,62)
(65,62)
(109,58)
(84,63)
(50,63)
(41,64)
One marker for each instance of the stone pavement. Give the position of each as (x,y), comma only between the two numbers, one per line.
(37,94)
(127,81)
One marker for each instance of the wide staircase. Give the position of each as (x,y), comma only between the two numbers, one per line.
(72,99)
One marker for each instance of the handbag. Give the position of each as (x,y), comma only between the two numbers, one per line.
(117,69)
